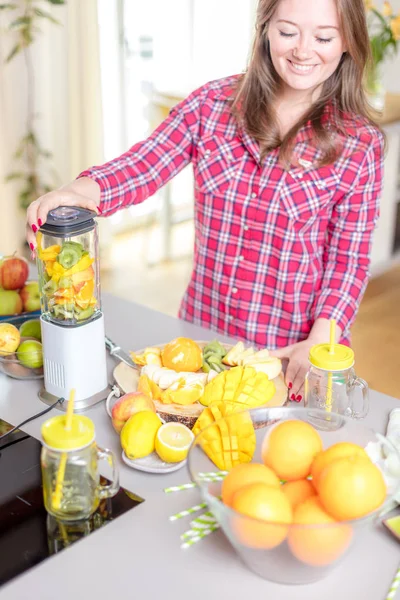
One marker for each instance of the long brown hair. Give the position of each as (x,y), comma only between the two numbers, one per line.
(257,89)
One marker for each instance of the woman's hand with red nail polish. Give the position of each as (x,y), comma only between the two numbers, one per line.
(83,192)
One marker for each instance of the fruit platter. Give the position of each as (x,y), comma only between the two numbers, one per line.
(173,389)
(184,376)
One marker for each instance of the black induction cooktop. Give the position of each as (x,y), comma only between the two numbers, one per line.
(28,535)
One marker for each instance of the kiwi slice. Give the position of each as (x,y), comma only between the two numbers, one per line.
(69,255)
(86,313)
(50,287)
(65,282)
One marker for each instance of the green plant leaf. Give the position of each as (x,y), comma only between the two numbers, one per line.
(20,22)
(17,48)
(56,1)
(15,175)
(8,6)
(45,15)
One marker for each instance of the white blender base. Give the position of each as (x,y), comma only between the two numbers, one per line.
(74,358)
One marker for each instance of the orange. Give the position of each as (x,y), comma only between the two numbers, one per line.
(243,475)
(298,491)
(182,354)
(339,450)
(351,488)
(320,545)
(289,449)
(264,503)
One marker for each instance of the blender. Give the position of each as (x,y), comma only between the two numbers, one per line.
(74,353)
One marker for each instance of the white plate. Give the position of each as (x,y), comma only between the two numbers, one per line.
(152,464)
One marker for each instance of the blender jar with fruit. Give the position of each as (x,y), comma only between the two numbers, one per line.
(72,320)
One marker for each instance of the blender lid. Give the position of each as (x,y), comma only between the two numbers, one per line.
(69,220)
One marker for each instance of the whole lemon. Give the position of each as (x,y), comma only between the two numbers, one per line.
(138,435)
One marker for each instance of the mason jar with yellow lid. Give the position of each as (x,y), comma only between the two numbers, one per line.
(70,475)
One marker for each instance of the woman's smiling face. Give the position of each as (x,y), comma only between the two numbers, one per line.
(305,42)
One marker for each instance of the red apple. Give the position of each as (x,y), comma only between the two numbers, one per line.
(30,296)
(10,302)
(13,272)
(128,405)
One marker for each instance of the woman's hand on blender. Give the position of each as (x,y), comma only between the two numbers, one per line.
(83,192)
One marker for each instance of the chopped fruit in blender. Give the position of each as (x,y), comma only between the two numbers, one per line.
(69,255)
(83,264)
(79,279)
(50,287)
(50,253)
(65,282)
(83,314)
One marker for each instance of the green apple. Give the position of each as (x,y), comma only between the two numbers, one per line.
(30,296)
(30,354)
(10,302)
(31,329)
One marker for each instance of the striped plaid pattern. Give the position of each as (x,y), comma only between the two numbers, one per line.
(274,248)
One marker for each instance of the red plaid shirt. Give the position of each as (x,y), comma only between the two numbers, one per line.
(274,249)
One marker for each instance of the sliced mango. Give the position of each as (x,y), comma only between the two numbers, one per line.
(149,387)
(231,439)
(240,385)
(180,393)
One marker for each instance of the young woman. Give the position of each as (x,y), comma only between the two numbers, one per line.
(288,175)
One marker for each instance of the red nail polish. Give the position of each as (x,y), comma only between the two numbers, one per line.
(290,385)
(40,222)
(293,397)
(299,397)
(34,228)
(298,400)
(31,246)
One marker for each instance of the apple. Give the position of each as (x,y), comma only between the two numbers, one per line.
(13,272)
(128,405)
(31,329)
(10,338)
(10,302)
(30,296)
(30,354)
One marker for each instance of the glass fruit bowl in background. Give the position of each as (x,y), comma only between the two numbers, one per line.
(279,550)
(20,348)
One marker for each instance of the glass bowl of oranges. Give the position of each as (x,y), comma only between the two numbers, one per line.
(293,500)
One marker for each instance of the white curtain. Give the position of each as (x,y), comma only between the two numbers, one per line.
(67,100)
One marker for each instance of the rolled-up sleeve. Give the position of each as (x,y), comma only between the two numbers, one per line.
(148,165)
(348,243)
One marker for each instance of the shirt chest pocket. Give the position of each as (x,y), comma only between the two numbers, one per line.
(218,166)
(306,194)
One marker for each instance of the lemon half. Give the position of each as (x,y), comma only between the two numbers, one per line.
(173,441)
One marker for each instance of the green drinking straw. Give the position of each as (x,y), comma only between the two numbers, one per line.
(188,511)
(394,586)
(193,540)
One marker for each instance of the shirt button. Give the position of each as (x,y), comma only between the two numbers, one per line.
(230,317)
(207,153)
(234,290)
(254,195)
(246,227)
(241,257)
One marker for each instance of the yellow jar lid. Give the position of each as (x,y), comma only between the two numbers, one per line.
(56,436)
(340,359)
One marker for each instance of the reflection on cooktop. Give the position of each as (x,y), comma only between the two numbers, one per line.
(28,535)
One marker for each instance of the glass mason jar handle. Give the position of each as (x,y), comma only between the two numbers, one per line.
(357,382)
(108,491)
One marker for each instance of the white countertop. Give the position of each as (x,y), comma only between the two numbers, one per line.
(138,555)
